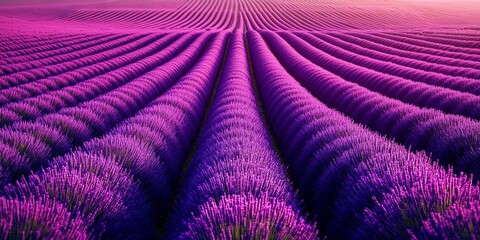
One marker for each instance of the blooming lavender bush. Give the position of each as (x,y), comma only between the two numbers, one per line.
(239,119)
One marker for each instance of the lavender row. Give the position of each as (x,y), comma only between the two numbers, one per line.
(415,46)
(327,45)
(359,184)
(451,139)
(50,102)
(235,185)
(426,62)
(18,93)
(404,46)
(392,48)
(19,42)
(42,219)
(54,134)
(33,39)
(28,41)
(60,69)
(416,93)
(126,174)
(55,54)
(94,189)
(24,63)
(170,123)
(450,44)
(57,45)
(453,35)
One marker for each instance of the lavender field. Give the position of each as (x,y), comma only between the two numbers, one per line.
(240,119)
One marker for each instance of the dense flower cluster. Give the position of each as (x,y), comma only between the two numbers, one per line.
(235,185)
(240,120)
(117,183)
(360,184)
(449,138)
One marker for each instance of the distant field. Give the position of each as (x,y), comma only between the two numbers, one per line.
(247,119)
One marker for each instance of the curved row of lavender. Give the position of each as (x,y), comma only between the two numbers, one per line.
(359,184)
(454,140)
(441,95)
(235,186)
(202,123)
(108,155)
(55,130)
(119,184)
(24,84)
